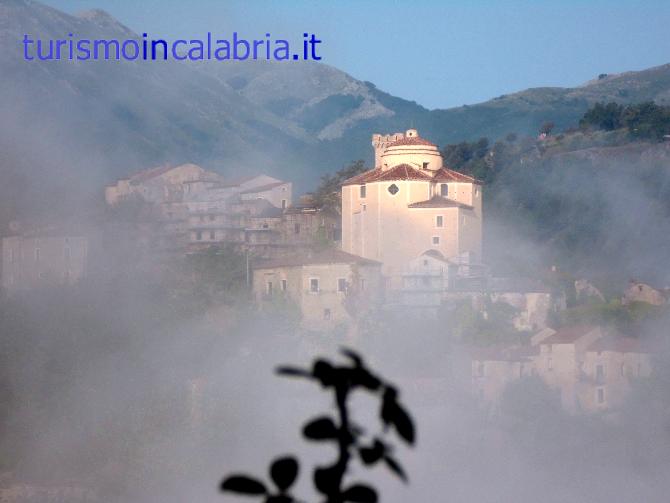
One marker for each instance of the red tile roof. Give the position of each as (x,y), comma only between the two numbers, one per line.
(150,173)
(618,344)
(331,256)
(568,335)
(407,172)
(399,172)
(411,141)
(439,202)
(449,175)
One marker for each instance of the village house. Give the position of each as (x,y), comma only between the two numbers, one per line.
(43,257)
(642,292)
(328,287)
(590,367)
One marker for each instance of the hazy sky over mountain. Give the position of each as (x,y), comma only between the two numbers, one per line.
(438,53)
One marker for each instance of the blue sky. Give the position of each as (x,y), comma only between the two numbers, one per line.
(438,53)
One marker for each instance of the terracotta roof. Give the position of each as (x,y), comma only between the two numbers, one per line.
(407,172)
(148,174)
(439,202)
(399,172)
(449,175)
(330,256)
(263,188)
(416,140)
(618,344)
(569,335)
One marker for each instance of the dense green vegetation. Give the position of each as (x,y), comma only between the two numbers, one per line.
(644,120)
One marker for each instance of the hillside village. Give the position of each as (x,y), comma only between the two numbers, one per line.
(407,241)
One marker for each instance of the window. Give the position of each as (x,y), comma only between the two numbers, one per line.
(436,240)
(268,289)
(444,190)
(425,263)
(283,203)
(211,235)
(37,254)
(296,228)
(11,255)
(600,372)
(600,395)
(362,191)
(314,285)
(326,314)
(67,253)
(550,364)
(362,284)
(283,285)
(623,370)
(425,165)
(198,236)
(341,285)
(439,221)
(365,207)
(211,218)
(393,189)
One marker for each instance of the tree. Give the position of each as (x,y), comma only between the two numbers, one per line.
(328,194)
(349,438)
(547,128)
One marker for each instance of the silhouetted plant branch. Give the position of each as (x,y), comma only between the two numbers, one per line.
(329,480)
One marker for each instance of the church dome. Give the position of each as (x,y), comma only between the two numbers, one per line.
(413,150)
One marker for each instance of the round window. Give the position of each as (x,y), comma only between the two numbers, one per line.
(393,189)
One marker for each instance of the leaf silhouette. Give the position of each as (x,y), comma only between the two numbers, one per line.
(395,467)
(360,493)
(324,372)
(326,479)
(403,423)
(371,455)
(293,372)
(392,413)
(279,498)
(243,485)
(322,428)
(283,472)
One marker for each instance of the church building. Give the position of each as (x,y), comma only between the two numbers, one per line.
(410,204)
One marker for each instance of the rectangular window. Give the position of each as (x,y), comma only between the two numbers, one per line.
(268,289)
(283,204)
(211,218)
(362,284)
(11,255)
(600,395)
(436,240)
(341,285)
(296,228)
(211,235)
(444,190)
(283,285)
(550,364)
(37,254)
(326,314)
(425,165)
(363,191)
(67,253)
(439,221)
(314,285)
(600,372)
(198,236)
